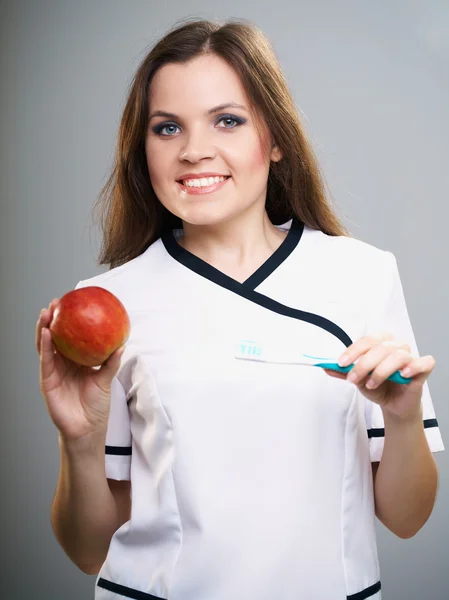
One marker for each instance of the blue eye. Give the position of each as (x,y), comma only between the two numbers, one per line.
(228,118)
(160,128)
(169,129)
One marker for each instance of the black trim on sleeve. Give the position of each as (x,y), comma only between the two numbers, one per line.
(118,450)
(380,431)
(366,593)
(125,591)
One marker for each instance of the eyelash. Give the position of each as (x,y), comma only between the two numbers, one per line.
(238,120)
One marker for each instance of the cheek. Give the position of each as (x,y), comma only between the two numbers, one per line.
(257,160)
(258,157)
(155,166)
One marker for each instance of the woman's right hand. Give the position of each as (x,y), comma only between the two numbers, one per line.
(77,397)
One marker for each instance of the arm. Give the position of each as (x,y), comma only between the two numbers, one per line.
(87,508)
(406,479)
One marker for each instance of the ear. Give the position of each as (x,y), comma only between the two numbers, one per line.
(276,154)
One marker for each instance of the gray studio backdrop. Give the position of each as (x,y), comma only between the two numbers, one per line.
(371,79)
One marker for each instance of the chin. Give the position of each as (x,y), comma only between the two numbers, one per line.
(205,215)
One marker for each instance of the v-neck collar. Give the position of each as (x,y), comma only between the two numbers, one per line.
(198,265)
(247,289)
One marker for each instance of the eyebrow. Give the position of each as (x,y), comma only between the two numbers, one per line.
(220,107)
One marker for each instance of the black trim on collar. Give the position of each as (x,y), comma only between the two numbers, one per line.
(125,591)
(366,593)
(380,431)
(295,313)
(194,263)
(118,450)
(278,257)
(201,267)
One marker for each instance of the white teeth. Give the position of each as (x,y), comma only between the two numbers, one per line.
(203,181)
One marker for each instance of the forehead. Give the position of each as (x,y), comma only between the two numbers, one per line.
(201,83)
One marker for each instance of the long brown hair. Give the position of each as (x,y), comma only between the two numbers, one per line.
(131,216)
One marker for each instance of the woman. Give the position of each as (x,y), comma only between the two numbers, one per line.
(201,461)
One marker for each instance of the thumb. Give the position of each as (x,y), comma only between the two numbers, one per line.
(109,368)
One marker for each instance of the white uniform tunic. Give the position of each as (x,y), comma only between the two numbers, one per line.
(250,480)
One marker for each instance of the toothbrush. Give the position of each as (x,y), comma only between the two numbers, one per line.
(332,365)
(249,350)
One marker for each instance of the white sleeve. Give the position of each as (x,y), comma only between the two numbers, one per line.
(389,314)
(118,447)
(118,436)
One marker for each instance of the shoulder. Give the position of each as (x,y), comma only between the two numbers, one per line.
(344,269)
(132,281)
(348,252)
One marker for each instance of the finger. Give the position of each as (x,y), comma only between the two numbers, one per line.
(396,344)
(395,361)
(47,354)
(420,368)
(357,349)
(37,340)
(335,374)
(109,369)
(44,320)
(51,309)
(369,361)
(49,314)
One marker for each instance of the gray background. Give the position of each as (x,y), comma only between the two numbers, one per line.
(372,81)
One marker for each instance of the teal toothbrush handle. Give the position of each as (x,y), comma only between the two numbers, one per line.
(396,377)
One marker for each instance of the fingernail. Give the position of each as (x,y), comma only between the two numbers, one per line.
(352,377)
(344,360)
(370,384)
(406,372)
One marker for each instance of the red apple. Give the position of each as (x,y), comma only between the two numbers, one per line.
(88,325)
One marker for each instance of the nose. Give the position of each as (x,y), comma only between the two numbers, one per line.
(197,146)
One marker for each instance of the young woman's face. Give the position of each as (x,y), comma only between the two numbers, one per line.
(207,131)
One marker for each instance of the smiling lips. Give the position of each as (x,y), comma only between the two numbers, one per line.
(204,184)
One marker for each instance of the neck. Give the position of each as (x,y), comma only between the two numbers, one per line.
(236,246)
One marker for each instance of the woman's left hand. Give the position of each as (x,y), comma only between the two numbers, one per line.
(376,359)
